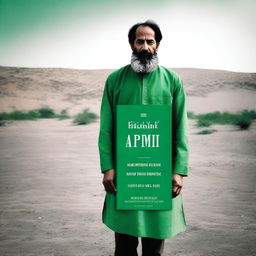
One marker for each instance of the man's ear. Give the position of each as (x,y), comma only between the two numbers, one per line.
(157,45)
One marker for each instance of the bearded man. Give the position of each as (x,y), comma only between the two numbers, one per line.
(143,82)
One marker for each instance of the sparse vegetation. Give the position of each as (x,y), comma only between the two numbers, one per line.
(85,117)
(46,113)
(33,114)
(2,123)
(18,115)
(63,114)
(191,115)
(204,123)
(242,119)
(203,132)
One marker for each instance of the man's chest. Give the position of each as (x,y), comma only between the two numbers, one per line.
(143,90)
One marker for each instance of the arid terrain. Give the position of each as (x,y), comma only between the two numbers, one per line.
(51,194)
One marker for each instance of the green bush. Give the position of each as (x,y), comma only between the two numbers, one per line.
(85,117)
(243,122)
(18,115)
(203,123)
(242,119)
(203,132)
(63,115)
(249,113)
(33,114)
(45,113)
(191,115)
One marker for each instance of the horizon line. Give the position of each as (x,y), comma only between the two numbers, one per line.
(50,67)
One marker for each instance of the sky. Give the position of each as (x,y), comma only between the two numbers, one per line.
(92,34)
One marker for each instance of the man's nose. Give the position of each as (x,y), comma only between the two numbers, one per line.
(145,46)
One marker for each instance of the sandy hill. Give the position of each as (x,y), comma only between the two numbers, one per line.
(73,89)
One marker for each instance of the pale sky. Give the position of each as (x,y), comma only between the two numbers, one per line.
(81,34)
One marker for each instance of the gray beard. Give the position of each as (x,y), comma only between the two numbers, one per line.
(147,67)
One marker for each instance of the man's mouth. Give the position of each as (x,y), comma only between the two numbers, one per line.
(144,56)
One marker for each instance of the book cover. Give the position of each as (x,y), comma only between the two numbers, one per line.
(144,157)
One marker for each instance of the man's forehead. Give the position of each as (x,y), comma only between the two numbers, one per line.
(142,31)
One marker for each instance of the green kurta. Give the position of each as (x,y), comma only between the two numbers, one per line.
(126,87)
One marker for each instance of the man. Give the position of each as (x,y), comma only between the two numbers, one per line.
(143,82)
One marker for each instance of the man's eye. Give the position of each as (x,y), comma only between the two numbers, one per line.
(151,42)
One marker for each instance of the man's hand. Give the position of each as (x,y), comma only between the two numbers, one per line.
(177,183)
(108,181)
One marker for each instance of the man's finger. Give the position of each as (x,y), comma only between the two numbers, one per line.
(106,186)
(108,181)
(175,187)
(113,187)
(109,187)
(178,190)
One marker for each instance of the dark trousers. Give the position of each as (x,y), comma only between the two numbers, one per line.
(126,245)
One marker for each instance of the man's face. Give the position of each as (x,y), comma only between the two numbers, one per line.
(144,56)
(145,40)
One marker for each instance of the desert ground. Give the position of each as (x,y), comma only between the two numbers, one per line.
(51,195)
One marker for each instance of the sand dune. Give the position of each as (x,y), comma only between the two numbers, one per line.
(75,90)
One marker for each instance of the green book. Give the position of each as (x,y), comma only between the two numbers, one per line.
(144,157)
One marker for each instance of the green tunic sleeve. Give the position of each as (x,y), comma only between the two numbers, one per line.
(180,130)
(105,140)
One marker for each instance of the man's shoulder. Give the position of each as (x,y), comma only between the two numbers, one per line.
(174,79)
(118,72)
(172,74)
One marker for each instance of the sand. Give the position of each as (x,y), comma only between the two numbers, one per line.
(51,194)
